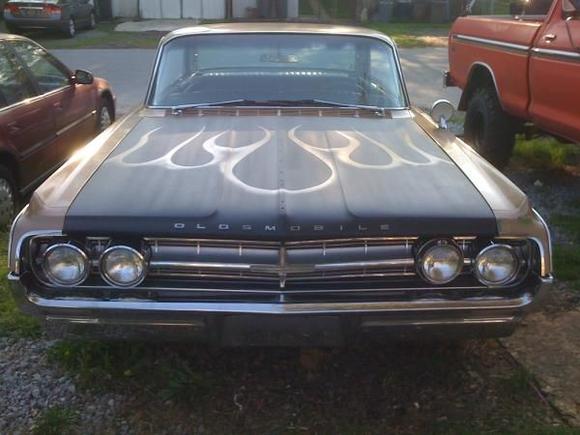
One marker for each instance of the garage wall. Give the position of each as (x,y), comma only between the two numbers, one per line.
(240,7)
(170,9)
(208,9)
(125,8)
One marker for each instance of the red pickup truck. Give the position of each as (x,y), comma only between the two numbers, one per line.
(515,70)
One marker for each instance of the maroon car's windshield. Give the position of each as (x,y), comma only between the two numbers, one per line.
(284,68)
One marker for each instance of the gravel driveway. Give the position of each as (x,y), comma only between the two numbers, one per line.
(129,71)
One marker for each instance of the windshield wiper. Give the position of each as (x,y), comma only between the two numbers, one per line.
(176,110)
(314,102)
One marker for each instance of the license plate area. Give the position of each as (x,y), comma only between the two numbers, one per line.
(32,12)
(282,331)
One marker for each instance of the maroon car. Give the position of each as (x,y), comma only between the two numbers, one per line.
(46,112)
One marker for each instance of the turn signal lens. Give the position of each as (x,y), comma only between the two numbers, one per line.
(440,262)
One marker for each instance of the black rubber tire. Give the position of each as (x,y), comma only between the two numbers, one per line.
(6,216)
(92,21)
(488,129)
(105,104)
(68,30)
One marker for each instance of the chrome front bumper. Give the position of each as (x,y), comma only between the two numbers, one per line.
(465,318)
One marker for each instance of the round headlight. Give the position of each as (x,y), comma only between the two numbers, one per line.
(65,265)
(440,262)
(122,266)
(496,265)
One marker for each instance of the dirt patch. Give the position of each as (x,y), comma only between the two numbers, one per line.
(549,346)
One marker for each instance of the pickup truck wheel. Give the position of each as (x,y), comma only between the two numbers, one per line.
(488,128)
(8,198)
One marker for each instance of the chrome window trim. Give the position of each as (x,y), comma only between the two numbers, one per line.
(492,42)
(180,34)
(35,99)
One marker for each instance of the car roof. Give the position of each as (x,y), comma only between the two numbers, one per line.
(278,27)
(4,36)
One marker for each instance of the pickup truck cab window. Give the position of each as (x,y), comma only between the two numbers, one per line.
(208,69)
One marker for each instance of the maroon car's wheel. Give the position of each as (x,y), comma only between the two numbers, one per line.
(8,198)
(105,114)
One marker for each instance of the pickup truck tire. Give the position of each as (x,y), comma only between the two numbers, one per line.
(488,128)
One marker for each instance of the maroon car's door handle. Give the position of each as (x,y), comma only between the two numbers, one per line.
(550,37)
(57,106)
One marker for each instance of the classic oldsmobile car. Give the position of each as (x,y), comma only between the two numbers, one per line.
(278,188)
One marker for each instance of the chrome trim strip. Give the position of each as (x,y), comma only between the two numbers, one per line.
(202,265)
(25,236)
(492,42)
(558,54)
(75,123)
(482,303)
(11,236)
(290,292)
(400,322)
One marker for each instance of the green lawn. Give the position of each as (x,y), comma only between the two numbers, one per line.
(545,153)
(12,322)
(102,37)
(406,35)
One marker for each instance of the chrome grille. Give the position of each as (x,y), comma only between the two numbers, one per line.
(283,262)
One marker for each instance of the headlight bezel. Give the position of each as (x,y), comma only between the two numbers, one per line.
(433,244)
(511,278)
(50,276)
(105,276)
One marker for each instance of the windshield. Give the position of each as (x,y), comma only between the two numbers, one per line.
(262,68)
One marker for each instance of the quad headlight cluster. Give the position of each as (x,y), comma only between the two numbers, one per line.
(441,261)
(438,262)
(66,265)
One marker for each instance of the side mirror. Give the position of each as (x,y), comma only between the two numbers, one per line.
(83,77)
(441,112)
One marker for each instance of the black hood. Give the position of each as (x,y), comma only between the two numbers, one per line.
(278,177)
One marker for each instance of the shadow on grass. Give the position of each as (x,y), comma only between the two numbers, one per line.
(415,388)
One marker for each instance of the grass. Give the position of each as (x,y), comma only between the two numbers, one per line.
(12,322)
(414,35)
(371,389)
(103,37)
(56,421)
(545,153)
(567,257)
